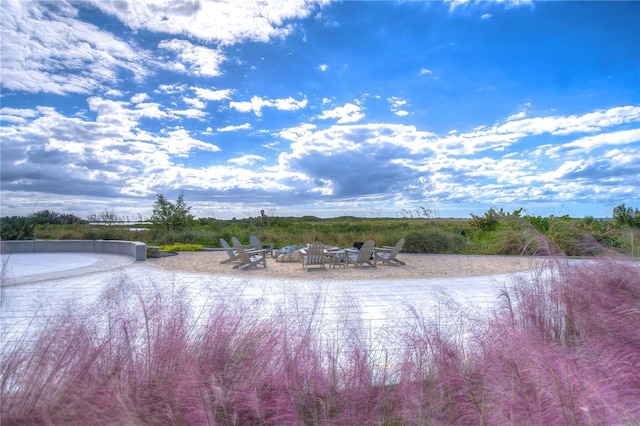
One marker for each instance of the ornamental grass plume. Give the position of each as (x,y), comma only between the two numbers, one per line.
(562,346)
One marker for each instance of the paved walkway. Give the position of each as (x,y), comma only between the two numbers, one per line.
(37,286)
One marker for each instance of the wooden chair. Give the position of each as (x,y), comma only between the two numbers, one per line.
(249,258)
(363,256)
(314,256)
(233,256)
(257,245)
(387,254)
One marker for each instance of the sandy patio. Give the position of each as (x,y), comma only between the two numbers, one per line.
(417,266)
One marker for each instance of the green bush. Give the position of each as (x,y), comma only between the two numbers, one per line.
(626,216)
(433,241)
(16,228)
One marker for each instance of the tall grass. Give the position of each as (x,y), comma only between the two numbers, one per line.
(561,347)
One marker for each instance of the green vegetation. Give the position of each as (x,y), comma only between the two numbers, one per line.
(181,247)
(168,216)
(496,232)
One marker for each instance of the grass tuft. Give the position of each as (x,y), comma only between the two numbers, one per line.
(561,347)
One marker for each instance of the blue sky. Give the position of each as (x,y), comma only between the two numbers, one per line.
(320,108)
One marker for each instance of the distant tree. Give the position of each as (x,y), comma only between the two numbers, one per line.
(16,228)
(49,217)
(626,216)
(170,216)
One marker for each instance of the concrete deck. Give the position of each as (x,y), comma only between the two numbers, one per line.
(37,286)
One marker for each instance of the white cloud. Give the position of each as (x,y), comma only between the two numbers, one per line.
(225,22)
(194,102)
(425,71)
(257,103)
(114,93)
(509,4)
(289,104)
(46,49)
(349,113)
(588,144)
(396,103)
(247,160)
(16,115)
(201,61)
(565,125)
(172,89)
(323,67)
(212,95)
(245,126)
(179,142)
(139,97)
(190,113)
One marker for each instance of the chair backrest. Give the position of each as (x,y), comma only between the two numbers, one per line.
(397,248)
(315,253)
(255,242)
(243,255)
(366,251)
(225,245)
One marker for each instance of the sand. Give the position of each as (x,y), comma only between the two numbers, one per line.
(417,266)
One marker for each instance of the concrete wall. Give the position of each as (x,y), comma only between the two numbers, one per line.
(129,248)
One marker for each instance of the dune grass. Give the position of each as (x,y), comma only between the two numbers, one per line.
(560,347)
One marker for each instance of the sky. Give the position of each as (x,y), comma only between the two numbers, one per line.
(320,108)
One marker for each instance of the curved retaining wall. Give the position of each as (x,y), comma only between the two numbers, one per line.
(130,248)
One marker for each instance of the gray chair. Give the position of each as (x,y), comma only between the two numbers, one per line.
(363,256)
(233,256)
(387,254)
(256,244)
(249,258)
(314,256)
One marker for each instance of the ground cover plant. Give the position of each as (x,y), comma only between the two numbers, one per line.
(561,347)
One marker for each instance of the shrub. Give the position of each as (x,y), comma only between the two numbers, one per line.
(16,228)
(171,216)
(433,241)
(626,216)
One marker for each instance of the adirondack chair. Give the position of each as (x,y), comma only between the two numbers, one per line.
(314,255)
(249,257)
(387,254)
(363,256)
(257,245)
(232,254)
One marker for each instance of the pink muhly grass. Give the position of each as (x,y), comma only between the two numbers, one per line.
(566,348)
(562,348)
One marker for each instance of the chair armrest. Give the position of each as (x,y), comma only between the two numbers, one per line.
(385,248)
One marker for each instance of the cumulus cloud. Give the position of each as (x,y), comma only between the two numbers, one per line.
(257,103)
(105,156)
(245,126)
(247,160)
(349,113)
(211,94)
(396,106)
(197,60)
(250,20)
